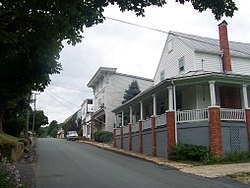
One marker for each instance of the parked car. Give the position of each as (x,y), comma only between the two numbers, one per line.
(72,135)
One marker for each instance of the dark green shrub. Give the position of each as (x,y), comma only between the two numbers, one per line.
(103,136)
(182,152)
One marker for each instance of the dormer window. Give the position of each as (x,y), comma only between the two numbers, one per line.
(170,46)
(181,64)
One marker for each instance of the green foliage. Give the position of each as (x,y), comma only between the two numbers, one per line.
(131,92)
(53,125)
(234,157)
(103,136)
(183,152)
(80,132)
(5,180)
(43,132)
(40,119)
(73,123)
(53,133)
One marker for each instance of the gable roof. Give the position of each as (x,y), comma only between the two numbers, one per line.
(210,45)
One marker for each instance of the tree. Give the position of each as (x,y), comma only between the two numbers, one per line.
(32,32)
(40,119)
(53,125)
(131,92)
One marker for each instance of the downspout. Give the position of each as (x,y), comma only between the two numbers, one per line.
(175,114)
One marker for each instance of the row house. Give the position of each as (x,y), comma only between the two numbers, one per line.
(200,96)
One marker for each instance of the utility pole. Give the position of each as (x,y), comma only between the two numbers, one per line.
(34,113)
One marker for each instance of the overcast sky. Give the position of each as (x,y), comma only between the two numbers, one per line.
(132,50)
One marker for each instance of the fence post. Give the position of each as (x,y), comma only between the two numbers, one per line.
(140,137)
(114,136)
(153,136)
(215,131)
(248,125)
(129,137)
(170,132)
(121,137)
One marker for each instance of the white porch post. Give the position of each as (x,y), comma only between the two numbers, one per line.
(170,98)
(212,93)
(122,118)
(130,114)
(154,105)
(141,110)
(244,87)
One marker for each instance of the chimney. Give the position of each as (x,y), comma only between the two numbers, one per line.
(224,47)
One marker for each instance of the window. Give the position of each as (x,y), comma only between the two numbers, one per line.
(170,46)
(181,64)
(162,75)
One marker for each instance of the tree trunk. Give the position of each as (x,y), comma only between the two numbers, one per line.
(1,120)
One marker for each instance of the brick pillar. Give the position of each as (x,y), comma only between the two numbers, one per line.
(170,132)
(215,131)
(140,137)
(129,136)
(121,137)
(114,136)
(248,125)
(153,137)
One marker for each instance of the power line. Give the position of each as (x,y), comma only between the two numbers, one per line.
(175,34)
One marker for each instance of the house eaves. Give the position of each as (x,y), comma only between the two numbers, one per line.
(99,73)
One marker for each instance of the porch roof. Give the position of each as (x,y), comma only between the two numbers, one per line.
(192,77)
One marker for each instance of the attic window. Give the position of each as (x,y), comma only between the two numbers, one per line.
(170,46)
(162,75)
(181,64)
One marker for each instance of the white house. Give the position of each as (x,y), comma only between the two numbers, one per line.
(108,89)
(87,109)
(197,78)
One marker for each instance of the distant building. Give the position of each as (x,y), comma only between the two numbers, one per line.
(108,89)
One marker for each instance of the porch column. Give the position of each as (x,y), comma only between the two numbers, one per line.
(244,87)
(114,136)
(212,93)
(122,118)
(171,139)
(129,137)
(248,125)
(215,130)
(153,136)
(130,114)
(154,105)
(121,137)
(140,137)
(170,98)
(141,110)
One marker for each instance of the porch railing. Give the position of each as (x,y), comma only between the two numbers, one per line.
(125,129)
(146,124)
(135,127)
(232,114)
(192,115)
(160,120)
(117,131)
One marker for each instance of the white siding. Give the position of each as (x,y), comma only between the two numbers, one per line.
(111,94)
(240,65)
(208,62)
(169,61)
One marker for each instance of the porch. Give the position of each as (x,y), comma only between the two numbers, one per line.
(184,109)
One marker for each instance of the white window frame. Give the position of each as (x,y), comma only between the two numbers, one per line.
(162,75)
(181,64)
(170,46)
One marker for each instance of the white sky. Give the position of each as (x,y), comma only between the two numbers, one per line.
(130,49)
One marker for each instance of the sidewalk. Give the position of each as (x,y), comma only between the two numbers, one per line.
(210,171)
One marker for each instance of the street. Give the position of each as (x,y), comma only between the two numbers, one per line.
(71,164)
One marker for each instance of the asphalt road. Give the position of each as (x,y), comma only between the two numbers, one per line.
(66,164)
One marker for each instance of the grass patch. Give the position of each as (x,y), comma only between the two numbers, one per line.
(243,177)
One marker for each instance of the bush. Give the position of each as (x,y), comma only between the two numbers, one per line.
(103,136)
(182,152)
